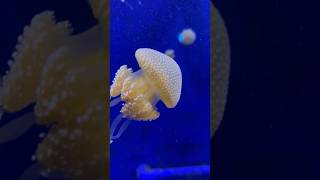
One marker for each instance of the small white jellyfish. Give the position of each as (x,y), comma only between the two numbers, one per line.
(159,78)
(187,37)
(170,53)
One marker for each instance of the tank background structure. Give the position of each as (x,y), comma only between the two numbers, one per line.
(220,68)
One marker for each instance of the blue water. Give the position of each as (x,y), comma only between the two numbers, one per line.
(180,137)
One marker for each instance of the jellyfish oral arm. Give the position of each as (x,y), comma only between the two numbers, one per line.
(122,73)
(137,92)
(140,96)
(115,101)
(16,128)
(116,122)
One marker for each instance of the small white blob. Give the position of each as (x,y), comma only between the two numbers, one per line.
(170,53)
(187,37)
(33,158)
(42,135)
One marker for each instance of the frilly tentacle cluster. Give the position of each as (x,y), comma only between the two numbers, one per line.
(66,78)
(72,96)
(122,73)
(38,40)
(135,92)
(140,109)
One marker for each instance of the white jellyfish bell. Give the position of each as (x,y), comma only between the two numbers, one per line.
(187,37)
(158,79)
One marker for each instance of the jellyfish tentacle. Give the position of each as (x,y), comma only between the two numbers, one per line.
(35,171)
(32,173)
(114,126)
(115,123)
(122,128)
(16,128)
(115,101)
(49,174)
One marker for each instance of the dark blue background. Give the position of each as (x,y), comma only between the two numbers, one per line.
(180,137)
(271,124)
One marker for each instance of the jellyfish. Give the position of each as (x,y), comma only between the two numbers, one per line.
(187,36)
(158,79)
(170,53)
(64,76)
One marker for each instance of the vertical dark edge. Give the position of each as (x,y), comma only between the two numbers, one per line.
(108,85)
(220,56)
(211,82)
